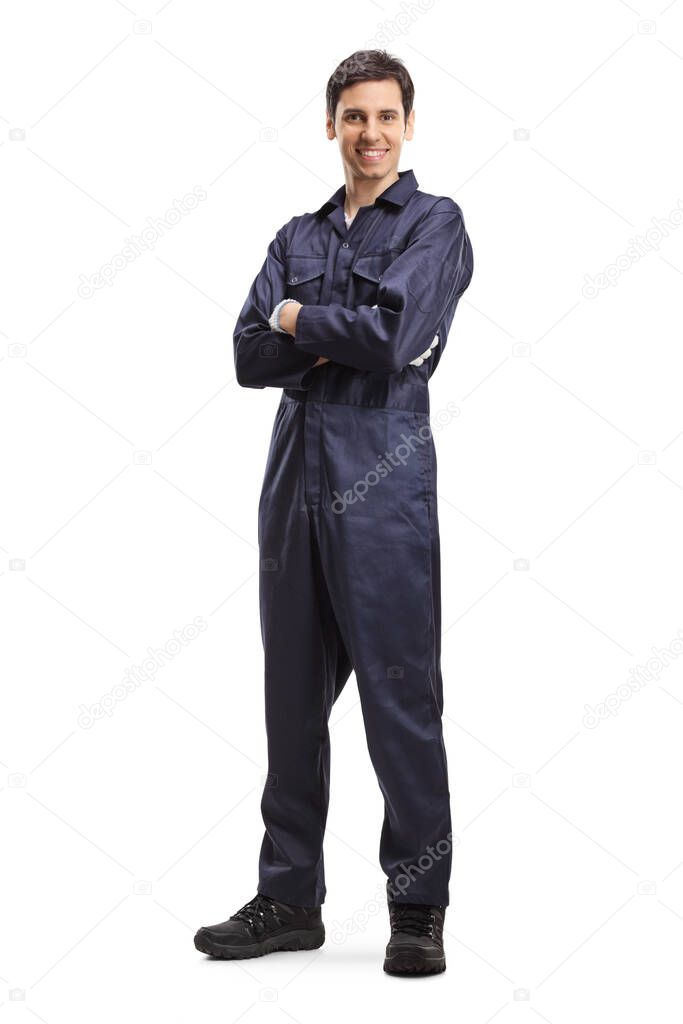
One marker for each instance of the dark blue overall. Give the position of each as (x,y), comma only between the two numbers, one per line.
(347,525)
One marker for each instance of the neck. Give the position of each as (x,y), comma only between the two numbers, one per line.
(363,191)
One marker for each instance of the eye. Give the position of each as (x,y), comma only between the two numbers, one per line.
(351,117)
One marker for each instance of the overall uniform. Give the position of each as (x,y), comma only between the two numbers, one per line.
(347,524)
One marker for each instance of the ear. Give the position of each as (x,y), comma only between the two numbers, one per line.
(410,124)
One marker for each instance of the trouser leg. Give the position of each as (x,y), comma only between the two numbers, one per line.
(381,560)
(306,667)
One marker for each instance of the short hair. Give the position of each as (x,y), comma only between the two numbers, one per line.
(367,65)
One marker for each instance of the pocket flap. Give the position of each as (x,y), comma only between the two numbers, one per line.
(370,267)
(305,268)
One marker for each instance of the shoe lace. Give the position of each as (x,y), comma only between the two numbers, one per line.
(415,918)
(258,911)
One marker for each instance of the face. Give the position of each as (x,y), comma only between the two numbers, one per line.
(369,125)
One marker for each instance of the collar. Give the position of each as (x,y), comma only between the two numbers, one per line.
(398,193)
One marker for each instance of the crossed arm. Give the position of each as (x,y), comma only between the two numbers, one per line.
(413,294)
(289,315)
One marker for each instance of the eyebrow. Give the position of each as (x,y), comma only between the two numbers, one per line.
(359,110)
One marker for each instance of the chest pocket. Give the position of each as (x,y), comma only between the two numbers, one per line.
(367,274)
(304,278)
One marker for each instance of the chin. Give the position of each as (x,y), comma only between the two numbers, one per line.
(384,167)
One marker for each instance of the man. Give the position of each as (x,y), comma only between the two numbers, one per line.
(349,315)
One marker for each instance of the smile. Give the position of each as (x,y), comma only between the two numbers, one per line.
(372,154)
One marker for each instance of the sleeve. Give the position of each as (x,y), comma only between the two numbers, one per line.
(265,358)
(413,295)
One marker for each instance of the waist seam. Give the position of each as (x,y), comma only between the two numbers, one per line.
(358,405)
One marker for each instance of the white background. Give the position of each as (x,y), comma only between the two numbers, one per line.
(124,837)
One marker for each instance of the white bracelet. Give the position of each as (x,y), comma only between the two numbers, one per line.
(274,318)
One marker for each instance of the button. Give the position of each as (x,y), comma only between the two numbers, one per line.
(293,280)
(345,245)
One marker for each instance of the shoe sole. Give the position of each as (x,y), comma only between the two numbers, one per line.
(309,938)
(413,962)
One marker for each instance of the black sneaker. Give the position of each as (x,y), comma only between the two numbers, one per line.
(416,942)
(263,925)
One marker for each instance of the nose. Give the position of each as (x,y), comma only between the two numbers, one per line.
(371,132)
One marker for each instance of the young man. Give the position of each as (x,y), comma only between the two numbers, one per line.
(349,315)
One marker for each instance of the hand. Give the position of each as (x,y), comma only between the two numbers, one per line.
(426,354)
(288,317)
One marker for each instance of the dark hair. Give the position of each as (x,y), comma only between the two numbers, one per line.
(366,65)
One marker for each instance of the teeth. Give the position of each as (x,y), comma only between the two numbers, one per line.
(372,152)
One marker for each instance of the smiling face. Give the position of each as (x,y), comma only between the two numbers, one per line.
(369,125)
